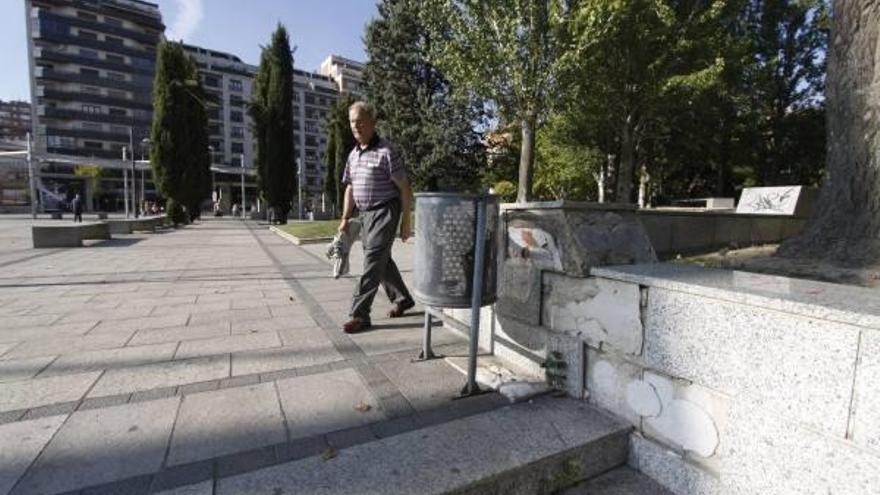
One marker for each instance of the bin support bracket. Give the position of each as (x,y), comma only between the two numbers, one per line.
(427,353)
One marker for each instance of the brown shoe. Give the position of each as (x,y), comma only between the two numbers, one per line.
(356,325)
(400,308)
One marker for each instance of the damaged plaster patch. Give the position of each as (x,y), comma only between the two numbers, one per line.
(536,245)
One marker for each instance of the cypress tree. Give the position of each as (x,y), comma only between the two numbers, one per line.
(340,142)
(179,135)
(272,111)
(418,109)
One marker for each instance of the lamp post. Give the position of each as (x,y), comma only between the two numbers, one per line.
(243,202)
(134,202)
(145,143)
(299,187)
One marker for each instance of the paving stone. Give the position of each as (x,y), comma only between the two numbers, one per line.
(222,345)
(108,401)
(132,325)
(177,334)
(43,391)
(157,393)
(231,315)
(395,339)
(4,348)
(394,426)
(866,417)
(351,436)
(426,384)
(18,334)
(273,324)
(306,353)
(67,345)
(160,375)
(111,359)
(51,410)
(333,399)
(203,488)
(87,313)
(239,381)
(139,485)
(18,369)
(226,421)
(278,375)
(102,446)
(300,448)
(191,308)
(194,388)
(621,481)
(180,476)
(243,462)
(22,442)
(10,416)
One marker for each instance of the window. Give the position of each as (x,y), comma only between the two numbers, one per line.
(112,40)
(88,35)
(116,59)
(118,112)
(92,126)
(88,72)
(113,22)
(53,26)
(214,113)
(91,109)
(212,81)
(235,101)
(90,90)
(93,145)
(116,76)
(118,129)
(115,93)
(215,129)
(237,132)
(61,141)
(236,116)
(235,85)
(237,148)
(87,16)
(88,53)
(310,99)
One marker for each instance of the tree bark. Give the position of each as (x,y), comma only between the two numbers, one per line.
(526,160)
(626,169)
(846,223)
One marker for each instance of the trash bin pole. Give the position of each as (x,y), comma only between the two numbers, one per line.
(427,353)
(476,297)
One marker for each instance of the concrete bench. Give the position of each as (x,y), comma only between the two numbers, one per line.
(129,225)
(69,235)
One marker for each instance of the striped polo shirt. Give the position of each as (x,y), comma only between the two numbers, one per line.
(370,172)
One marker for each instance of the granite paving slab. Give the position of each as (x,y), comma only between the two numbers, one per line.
(46,332)
(230,315)
(203,488)
(160,375)
(21,443)
(326,402)
(17,369)
(232,343)
(221,422)
(43,391)
(177,334)
(427,384)
(103,445)
(385,339)
(67,345)
(106,359)
(88,313)
(299,354)
(273,324)
(4,348)
(131,325)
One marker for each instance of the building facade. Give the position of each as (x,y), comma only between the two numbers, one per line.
(92,64)
(346,73)
(15,120)
(313,95)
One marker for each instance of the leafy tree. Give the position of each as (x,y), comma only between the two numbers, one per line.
(565,168)
(179,136)
(508,52)
(418,108)
(272,111)
(340,142)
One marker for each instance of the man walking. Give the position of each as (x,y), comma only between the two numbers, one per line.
(377,184)
(77,207)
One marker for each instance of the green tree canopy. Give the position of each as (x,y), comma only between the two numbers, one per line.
(340,142)
(272,111)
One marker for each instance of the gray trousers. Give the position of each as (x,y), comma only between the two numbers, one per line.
(378,233)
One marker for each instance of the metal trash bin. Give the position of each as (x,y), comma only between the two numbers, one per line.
(444,258)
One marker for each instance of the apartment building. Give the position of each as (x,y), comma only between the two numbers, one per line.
(313,95)
(15,120)
(346,73)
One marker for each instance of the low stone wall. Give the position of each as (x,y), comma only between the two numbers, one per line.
(735,383)
(674,232)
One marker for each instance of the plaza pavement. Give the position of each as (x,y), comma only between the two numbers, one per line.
(153,361)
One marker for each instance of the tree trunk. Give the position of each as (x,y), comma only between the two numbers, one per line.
(526,159)
(627,166)
(846,223)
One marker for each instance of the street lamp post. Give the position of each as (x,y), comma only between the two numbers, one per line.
(32,181)
(125,197)
(243,202)
(134,203)
(299,187)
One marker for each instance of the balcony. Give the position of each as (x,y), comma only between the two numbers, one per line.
(142,103)
(104,118)
(67,39)
(56,75)
(41,53)
(103,28)
(87,134)
(135,15)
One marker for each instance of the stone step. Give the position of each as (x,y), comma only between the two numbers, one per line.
(536,447)
(621,481)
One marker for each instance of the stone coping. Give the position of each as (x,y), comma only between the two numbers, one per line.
(700,212)
(568,205)
(833,302)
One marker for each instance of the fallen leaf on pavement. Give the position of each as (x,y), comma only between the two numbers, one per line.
(329,453)
(363,407)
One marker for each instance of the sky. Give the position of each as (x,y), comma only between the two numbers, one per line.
(317,28)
